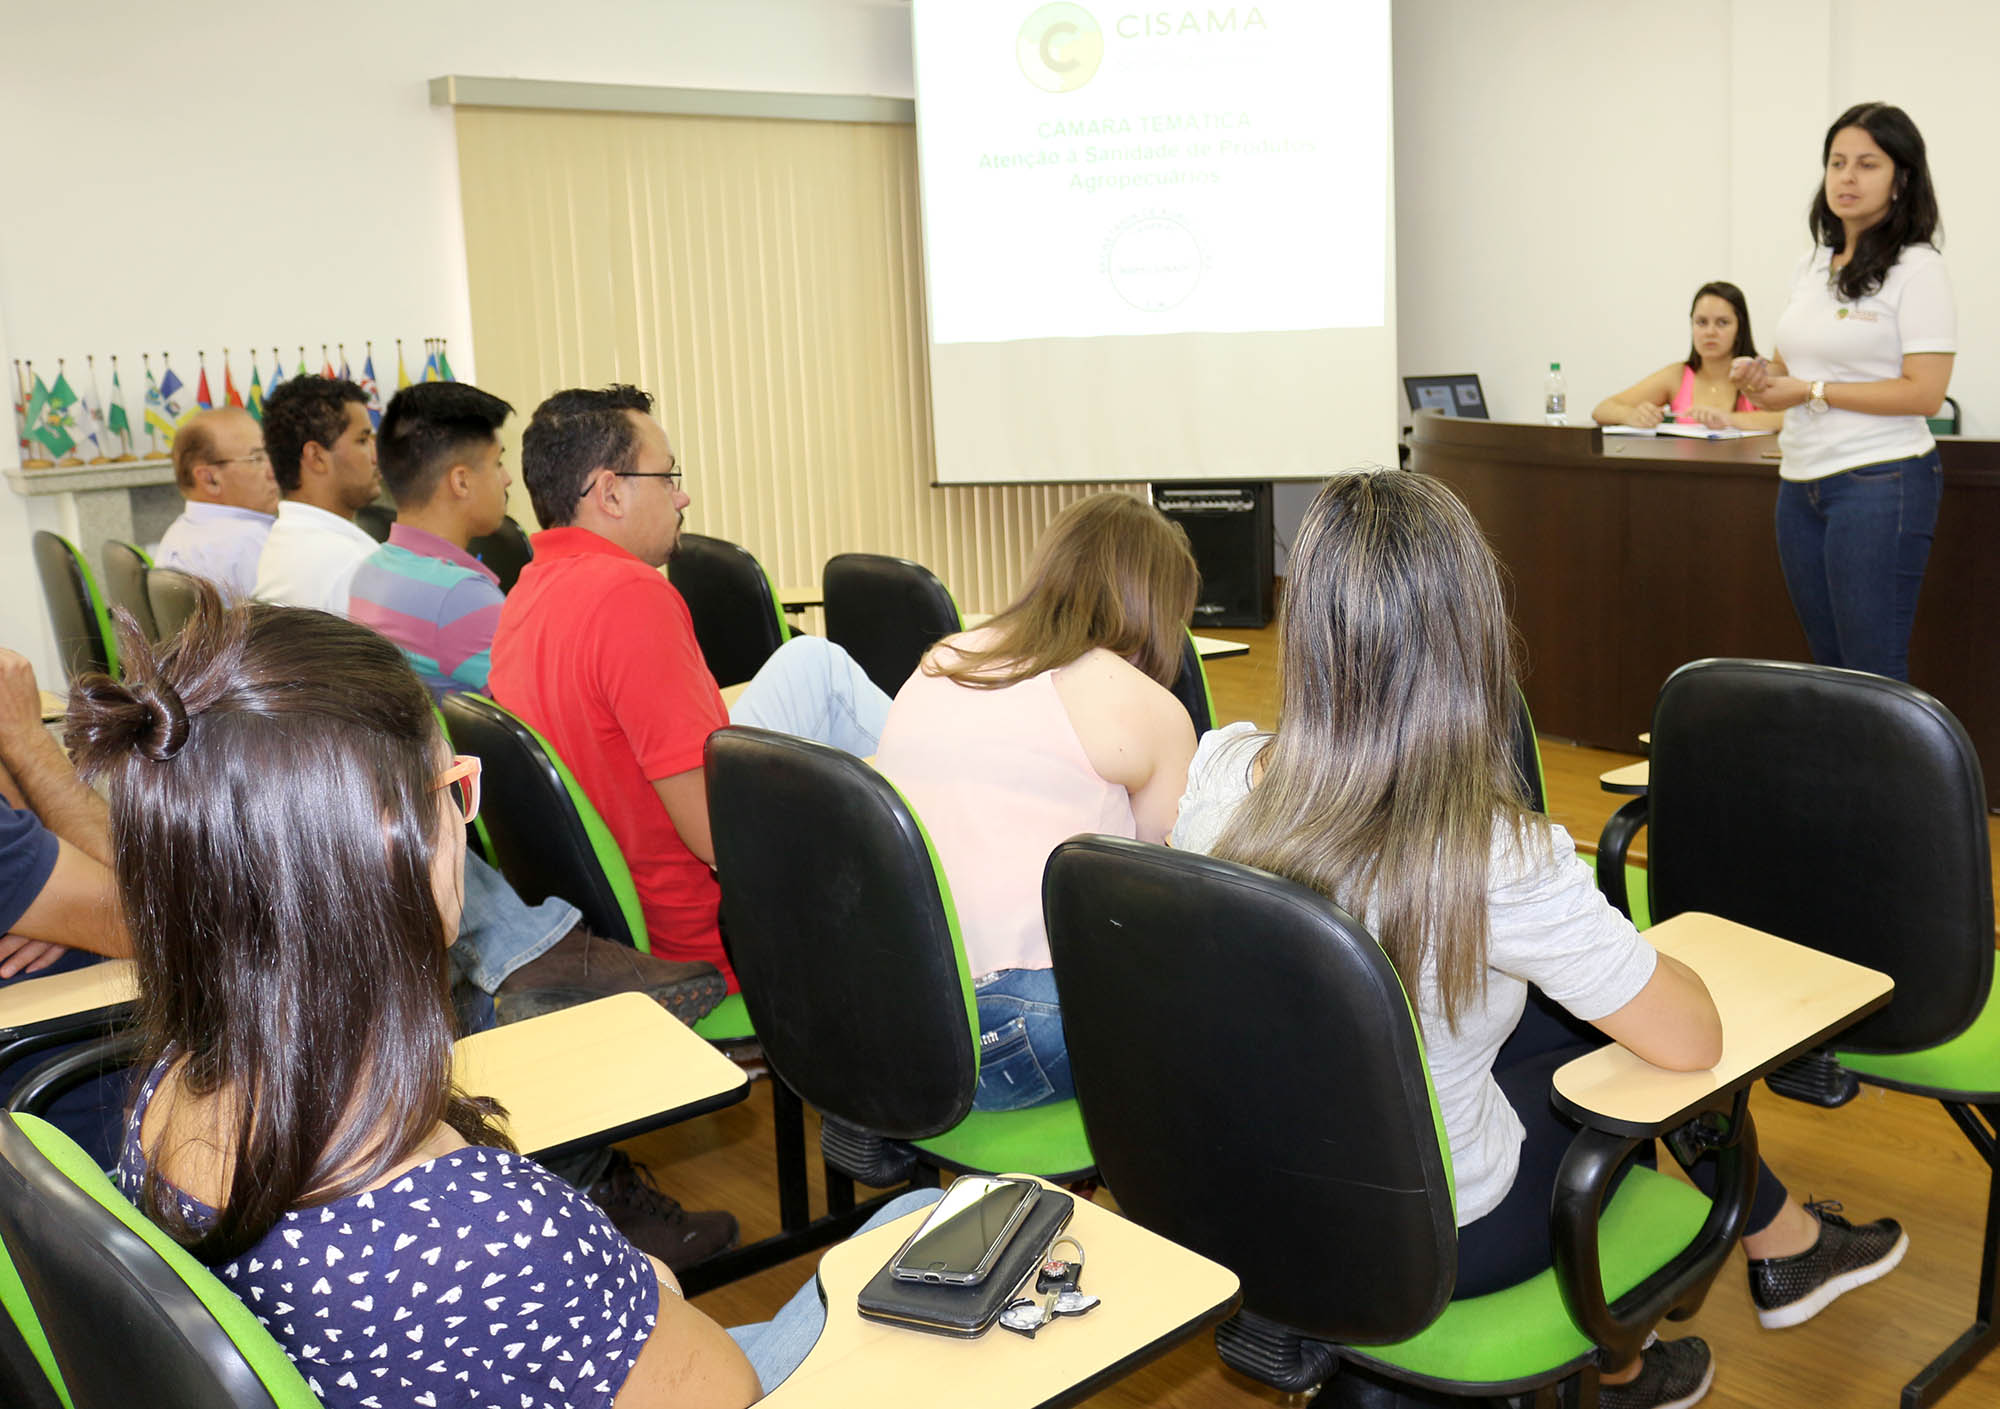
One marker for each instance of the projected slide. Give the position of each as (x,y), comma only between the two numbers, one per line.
(1096,171)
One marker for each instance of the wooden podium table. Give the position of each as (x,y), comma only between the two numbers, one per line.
(1156,1295)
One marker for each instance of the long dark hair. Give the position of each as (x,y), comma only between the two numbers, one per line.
(1111,571)
(1392,766)
(274,821)
(1722,289)
(1912,217)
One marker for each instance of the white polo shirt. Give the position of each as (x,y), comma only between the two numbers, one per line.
(1823,338)
(310,558)
(219,542)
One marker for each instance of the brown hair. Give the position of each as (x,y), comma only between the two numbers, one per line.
(274,822)
(1392,765)
(1111,571)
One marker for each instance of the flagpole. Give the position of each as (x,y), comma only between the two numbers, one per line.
(62,379)
(96,404)
(39,462)
(21,411)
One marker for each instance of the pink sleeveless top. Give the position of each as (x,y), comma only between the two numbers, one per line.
(998,778)
(1683,401)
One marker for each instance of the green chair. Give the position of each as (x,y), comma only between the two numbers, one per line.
(737,620)
(842,931)
(76,608)
(113,1311)
(1847,812)
(1254,1084)
(125,568)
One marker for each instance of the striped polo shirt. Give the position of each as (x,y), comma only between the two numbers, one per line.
(433,599)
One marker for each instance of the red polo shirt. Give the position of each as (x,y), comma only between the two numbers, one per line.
(596,651)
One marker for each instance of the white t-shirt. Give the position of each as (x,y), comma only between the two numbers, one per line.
(1822,338)
(1548,926)
(310,558)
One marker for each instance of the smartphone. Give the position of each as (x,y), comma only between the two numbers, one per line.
(966,1231)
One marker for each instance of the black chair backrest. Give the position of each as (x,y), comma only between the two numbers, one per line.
(841,934)
(885,612)
(505,550)
(736,618)
(1528,756)
(75,609)
(540,842)
(1252,1084)
(1191,688)
(125,569)
(172,594)
(1840,810)
(375,520)
(123,1327)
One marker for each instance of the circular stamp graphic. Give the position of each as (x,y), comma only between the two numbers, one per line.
(1059,47)
(1153,261)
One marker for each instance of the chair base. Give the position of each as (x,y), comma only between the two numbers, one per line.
(1936,1378)
(1817,1078)
(1981,1124)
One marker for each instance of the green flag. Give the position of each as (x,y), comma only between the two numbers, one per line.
(444,363)
(115,419)
(48,409)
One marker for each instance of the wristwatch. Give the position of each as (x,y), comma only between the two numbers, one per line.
(1817,402)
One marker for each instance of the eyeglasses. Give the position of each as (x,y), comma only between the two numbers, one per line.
(462,777)
(672,477)
(255,457)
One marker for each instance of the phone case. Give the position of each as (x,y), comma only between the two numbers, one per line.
(965,1312)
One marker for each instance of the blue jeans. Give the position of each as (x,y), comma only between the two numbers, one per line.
(499,932)
(812,689)
(777,1347)
(1853,547)
(1023,1056)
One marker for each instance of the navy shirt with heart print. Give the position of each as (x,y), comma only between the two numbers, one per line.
(475,1278)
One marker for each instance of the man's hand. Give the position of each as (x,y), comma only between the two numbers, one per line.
(21,955)
(20,697)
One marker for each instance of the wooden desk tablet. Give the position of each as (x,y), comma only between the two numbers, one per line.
(1156,1295)
(1776,998)
(1633,778)
(797,599)
(53,707)
(600,1071)
(36,1000)
(732,693)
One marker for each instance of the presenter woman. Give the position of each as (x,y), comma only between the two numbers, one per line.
(1697,391)
(1053,719)
(1864,356)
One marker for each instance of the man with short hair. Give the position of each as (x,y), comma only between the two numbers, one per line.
(322,448)
(596,650)
(224,474)
(439,452)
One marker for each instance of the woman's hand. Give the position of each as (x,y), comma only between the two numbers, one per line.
(1644,415)
(1708,416)
(1778,393)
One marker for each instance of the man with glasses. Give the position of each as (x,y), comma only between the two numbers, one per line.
(596,650)
(232,498)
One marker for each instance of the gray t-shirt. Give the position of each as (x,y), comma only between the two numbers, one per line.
(1548,926)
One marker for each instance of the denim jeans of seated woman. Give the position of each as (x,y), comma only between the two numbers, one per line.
(1023,1058)
(1853,547)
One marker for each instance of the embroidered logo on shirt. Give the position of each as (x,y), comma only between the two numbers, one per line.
(1859,315)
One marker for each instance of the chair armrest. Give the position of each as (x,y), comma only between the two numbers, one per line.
(1612,845)
(40,1087)
(17,1044)
(1676,1289)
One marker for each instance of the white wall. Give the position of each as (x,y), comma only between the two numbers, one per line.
(274,173)
(1567,171)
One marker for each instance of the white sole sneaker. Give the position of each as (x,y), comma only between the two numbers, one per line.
(1827,1292)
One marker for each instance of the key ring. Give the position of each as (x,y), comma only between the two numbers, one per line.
(1058,1281)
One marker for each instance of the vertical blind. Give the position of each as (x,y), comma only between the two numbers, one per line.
(763,278)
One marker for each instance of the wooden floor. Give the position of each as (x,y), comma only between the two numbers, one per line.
(1883,1154)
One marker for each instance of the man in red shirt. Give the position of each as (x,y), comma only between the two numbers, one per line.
(596,650)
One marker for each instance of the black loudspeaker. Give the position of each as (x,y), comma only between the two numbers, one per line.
(1229,527)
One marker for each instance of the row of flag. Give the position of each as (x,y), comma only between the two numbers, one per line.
(61,424)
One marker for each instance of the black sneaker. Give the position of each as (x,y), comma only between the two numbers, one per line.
(1790,1290)
(1672,1375)
(656,1223)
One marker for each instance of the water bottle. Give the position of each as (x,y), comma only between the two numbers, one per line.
(1555,397)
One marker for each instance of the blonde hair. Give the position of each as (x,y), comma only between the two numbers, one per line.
(1111,571)
(1392,764)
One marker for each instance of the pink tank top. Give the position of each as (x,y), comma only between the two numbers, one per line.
(1683,401)
(998,778)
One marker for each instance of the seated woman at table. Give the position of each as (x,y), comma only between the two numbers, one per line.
(1389,787)
(289,830)
(1698,391)
(1054,718)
